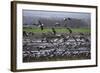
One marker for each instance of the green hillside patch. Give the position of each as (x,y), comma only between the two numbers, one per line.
(58,30)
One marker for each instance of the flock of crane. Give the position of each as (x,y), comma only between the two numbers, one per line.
(56,46)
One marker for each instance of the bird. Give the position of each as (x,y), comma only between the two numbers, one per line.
(54,31)
(41,25)
(70,31)
(65,19)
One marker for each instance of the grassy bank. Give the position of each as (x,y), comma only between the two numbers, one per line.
(58,30)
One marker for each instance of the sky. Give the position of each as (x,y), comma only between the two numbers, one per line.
(57,14)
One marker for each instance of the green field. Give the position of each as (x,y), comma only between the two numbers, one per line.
(58,30)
